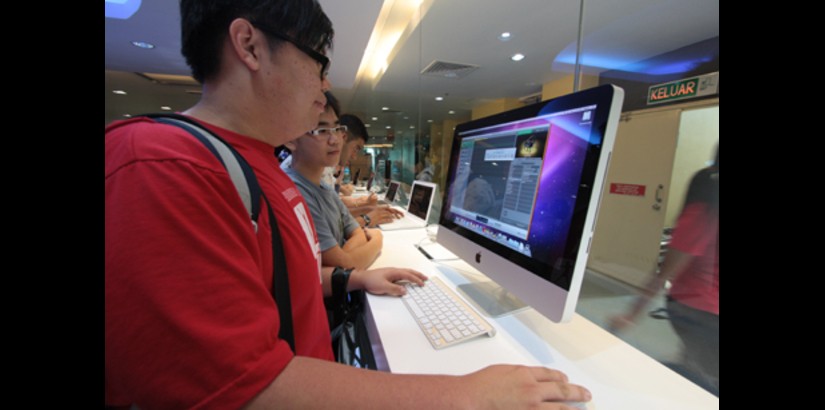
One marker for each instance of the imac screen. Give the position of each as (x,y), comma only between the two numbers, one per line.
(520,184)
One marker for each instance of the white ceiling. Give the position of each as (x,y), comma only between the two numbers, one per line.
(616,33)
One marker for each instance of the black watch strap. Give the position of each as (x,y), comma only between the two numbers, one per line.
(367,220)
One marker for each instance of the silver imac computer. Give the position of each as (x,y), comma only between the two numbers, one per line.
(523,190)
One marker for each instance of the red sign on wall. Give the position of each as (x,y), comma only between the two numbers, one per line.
(627,189)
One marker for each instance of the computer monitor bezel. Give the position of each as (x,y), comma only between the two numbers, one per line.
(507,267)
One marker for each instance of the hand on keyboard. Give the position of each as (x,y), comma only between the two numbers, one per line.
(442,315)
(382,281)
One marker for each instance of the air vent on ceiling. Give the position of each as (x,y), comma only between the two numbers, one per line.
(447,69)
(531,98)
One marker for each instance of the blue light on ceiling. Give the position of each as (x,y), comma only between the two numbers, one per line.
(121,9)
(643,67)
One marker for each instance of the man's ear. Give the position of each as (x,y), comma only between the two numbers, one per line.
(247,43)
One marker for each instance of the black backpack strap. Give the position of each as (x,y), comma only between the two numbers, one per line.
(242,176)
(280,282)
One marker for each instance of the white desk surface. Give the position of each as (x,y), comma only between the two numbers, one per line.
(618,375)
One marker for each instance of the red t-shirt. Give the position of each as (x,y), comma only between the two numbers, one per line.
(696,233)
(190,320)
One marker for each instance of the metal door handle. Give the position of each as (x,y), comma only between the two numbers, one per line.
(657,206)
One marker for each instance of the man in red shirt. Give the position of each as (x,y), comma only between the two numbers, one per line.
(692,266)
(190,321)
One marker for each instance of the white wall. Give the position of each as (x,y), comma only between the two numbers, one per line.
(695,147)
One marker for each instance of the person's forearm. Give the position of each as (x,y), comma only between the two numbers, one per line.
(357,210)
(363,256)
(317,384)
(356,240)
(674,264)
(313,383)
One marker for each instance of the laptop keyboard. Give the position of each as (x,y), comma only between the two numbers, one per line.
(407,222)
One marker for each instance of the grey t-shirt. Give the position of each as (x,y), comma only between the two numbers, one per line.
(332,219)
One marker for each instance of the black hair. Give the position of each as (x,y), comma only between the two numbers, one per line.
(333,102)
(205,25)
(704,186)
(355,127)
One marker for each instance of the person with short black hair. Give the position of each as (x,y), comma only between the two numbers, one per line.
(189,318)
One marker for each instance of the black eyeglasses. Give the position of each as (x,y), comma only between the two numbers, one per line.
(320,58)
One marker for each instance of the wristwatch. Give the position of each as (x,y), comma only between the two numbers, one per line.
(366,219)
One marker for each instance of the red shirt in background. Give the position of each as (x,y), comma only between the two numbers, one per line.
(696,233)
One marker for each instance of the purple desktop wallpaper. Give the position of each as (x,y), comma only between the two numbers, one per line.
(563,161)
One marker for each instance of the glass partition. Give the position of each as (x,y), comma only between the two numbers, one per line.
(668,133)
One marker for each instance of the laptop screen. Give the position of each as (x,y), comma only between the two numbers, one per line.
(420,198)
(391,190)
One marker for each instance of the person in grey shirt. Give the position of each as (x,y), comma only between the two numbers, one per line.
(343,242)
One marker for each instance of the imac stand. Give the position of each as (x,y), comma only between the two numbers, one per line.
(491,299)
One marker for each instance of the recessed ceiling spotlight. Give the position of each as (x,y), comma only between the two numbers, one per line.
(439,98)
(406,118)
(367,125)
(504,36)
(119,92)
(389,127)
(385,108)
(127,115)
(166,108)
(412,127)
(143,44)
(430,121)
(375,118)
(451,112)
(517,57)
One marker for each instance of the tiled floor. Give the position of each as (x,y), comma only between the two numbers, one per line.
(602,297)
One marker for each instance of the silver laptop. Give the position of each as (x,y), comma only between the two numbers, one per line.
(418,210)
(389,196)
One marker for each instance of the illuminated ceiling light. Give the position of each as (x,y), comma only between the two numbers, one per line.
(127,115)
(412,127)
(517,57)
(504,36)
(439,98)
(396,22)
(385,108)
(388,127)
(451,112)
(143,44)
(430,121)
(119,92)
(367,125)
(166,108)
(121,9)
(375,118)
